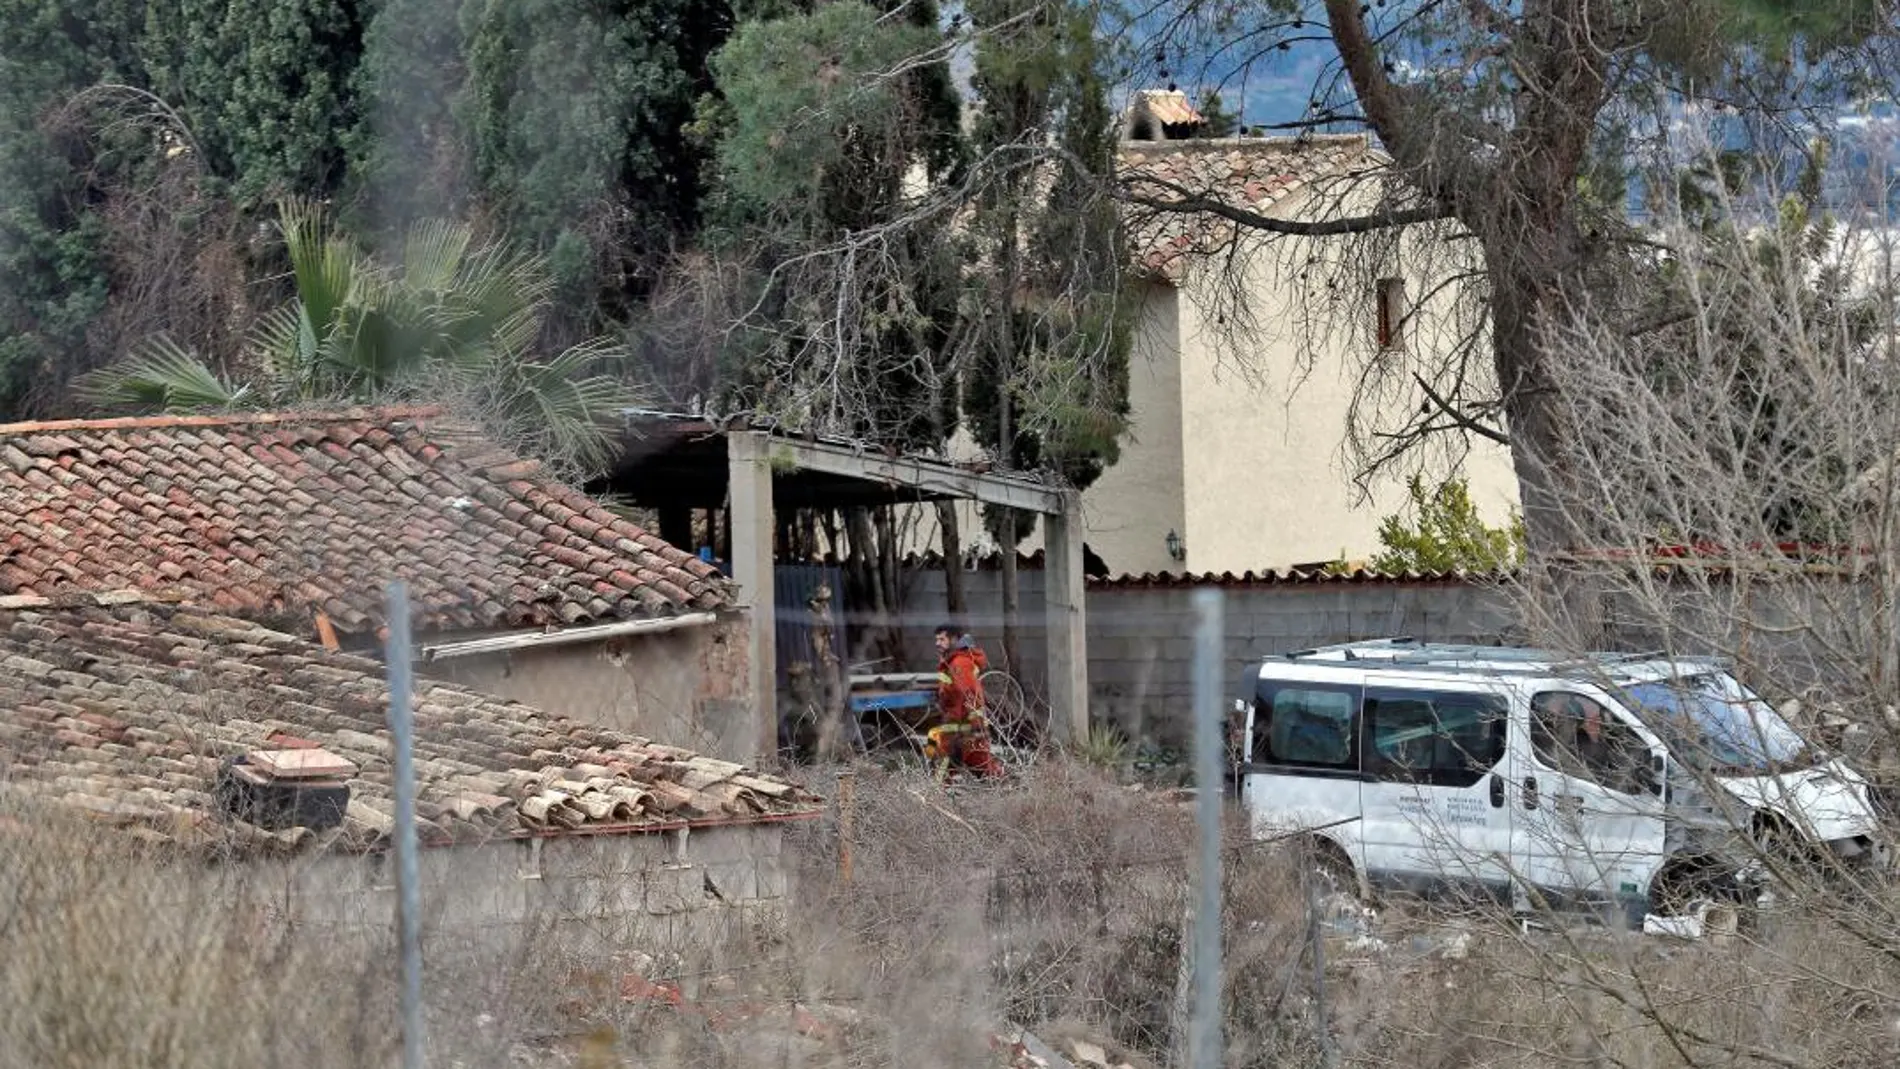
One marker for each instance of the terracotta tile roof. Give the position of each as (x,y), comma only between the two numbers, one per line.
(1251,173)
(277,516)
(127,712)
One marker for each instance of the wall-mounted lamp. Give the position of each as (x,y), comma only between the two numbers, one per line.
(1176,549)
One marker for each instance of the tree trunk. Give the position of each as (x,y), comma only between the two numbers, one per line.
(834,539)
(1521,203)
(1521,306)
(1006,526)
(953,592)
(839,733)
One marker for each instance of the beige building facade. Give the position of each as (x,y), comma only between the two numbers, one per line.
(1259,358)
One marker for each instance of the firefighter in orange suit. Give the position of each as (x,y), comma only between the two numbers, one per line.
(961,739)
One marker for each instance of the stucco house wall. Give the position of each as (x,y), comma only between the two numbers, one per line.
(1127,514)
(1267,399)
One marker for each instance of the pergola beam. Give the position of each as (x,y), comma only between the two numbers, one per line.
(928,477)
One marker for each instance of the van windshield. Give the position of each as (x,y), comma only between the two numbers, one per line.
(1712,721)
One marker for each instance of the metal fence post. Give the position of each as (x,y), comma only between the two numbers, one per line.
(1204,1037)
(397,656)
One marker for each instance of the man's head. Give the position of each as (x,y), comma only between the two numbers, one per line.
(1589,717)
(948,636)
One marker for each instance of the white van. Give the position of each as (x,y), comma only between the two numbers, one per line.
(1611,781)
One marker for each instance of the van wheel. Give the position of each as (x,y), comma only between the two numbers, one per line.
(1680,882)
(1687,879)
(1782,849)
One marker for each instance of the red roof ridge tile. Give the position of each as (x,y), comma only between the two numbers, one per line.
(359,413)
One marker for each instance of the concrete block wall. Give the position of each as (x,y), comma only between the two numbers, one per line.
(659,890)
(1141,638)
(1813,633)
(1139,673)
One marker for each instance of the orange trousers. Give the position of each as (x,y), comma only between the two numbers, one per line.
(958,746)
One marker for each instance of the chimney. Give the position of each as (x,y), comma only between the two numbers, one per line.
(304,787)
(1161,115)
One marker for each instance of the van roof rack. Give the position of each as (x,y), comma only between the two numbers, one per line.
(1466,657)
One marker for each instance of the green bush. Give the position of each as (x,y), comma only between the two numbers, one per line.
(1445,533)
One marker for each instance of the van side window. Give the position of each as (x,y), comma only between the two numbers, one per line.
(1444,739)
(1577,736)
(1306,726)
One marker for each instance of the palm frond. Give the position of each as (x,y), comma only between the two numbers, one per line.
(565,408)
(514,336)
(498,284)
(284,343)
(385,346)
(161,376)
(434,254)
(325,267)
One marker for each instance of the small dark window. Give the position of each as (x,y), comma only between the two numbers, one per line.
(1306,726)
(1577,736)
(1437,738)
(1390,296)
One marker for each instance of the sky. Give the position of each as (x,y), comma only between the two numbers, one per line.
(1267,87)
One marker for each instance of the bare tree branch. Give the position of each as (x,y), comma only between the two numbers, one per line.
(1460,419)
(1192,203)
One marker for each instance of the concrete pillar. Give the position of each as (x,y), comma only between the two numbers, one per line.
(1064,591)
(749,512)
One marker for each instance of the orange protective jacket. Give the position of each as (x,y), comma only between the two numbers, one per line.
(959,690)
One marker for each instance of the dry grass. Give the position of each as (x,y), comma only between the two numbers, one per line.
(1057,906)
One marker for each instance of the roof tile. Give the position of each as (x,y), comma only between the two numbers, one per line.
(1254,174)
(93,698)
(244,511)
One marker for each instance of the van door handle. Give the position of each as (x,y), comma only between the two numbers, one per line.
(1497,791)
(1530,792)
